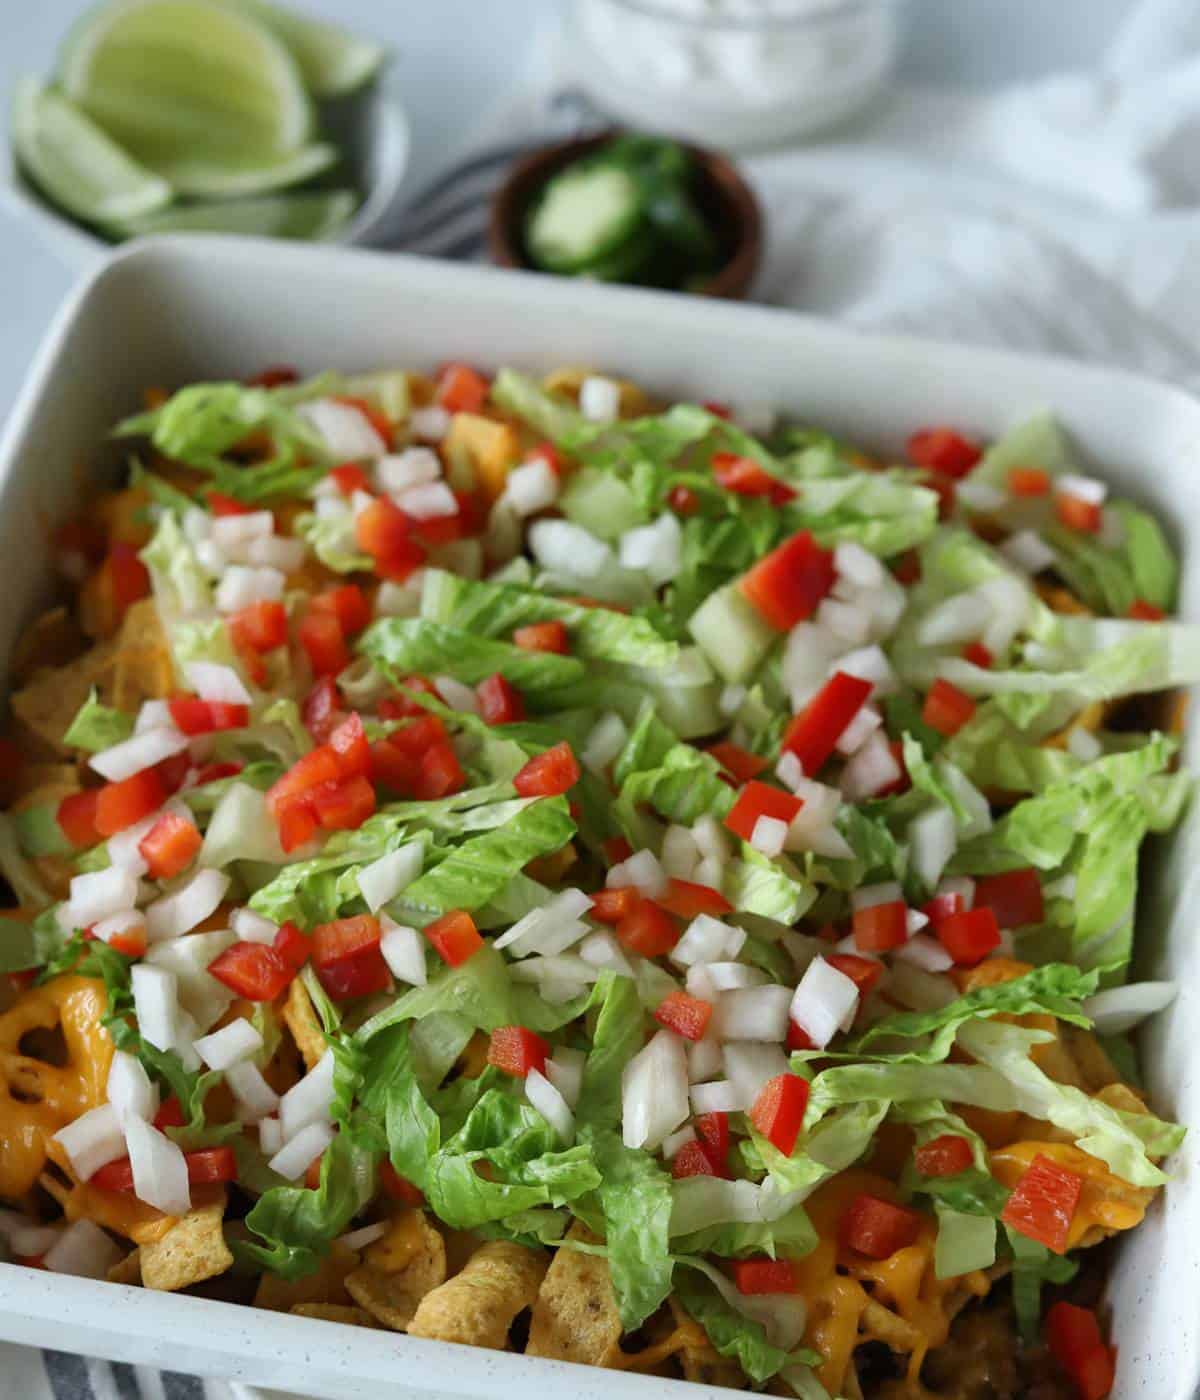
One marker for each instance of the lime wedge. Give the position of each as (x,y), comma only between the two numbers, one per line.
(235,179)
(334,62)
(319,215)
(186,86)
(75,164)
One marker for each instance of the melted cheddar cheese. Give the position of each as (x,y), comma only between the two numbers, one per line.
(40,1098)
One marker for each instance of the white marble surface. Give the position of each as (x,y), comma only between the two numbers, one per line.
(454,58)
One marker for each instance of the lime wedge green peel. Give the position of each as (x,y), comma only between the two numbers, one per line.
(319,215)
(75,164)
(191,88)
(333,61)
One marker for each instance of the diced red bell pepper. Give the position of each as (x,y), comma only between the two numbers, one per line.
(548,774)
(941,906)
(863,972)
(77,817)
(346,958)
(946,1155)
(349,744)
(321,709)
(616,849)
(423,733)
(687,900)
(500,701)
(798,1038)
(946,490)
(943,450)
(128,577)
(384,532)
(718,410)
(778,1112)
(349,478)
(686,1015)
(1141,611)
(1028,481)
(543,636)
(1015,897)
(744,477)
(907,569)
(402,706)
(461,389)
(813,733)
(903,782)
(516,1050)
(393,768)
(946,708)
(349,605)
(253,971)
(454,937)
(221,504)
(398,1187)
(259,627)
(611,906)
(344,805)
(693,1159)
(132,942)
(1043,1202)
(440,773)
(169,1115)
(758,1276)
(786,586)
(318,766)
(712,1129)
(438,530)
(324,643)
(969,936)
(195,716)
(170,846)
(760,800)
(880,927)
(205,1166)
(878,1228)
(648,930)
(377,420)
(1077,1344)
(740,763)
(1078,514)
(548,453)
(292,946)
(295,820)
(683,500)
(978,655)
(121,804)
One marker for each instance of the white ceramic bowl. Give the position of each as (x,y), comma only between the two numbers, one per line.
(371,128)
(183,308)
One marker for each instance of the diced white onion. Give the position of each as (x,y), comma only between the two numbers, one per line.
(604,742)
(210,558)
(191,904)
(154,714)
(243,584)
(237,1041)
(551,928)
(298,1153)
(251,927)
(754,1013)
(871,770)
(868,896)
(415,466)
(278,552)
(1083,744)
(847,621)
(197,524)
(270,1135)
(858,565)
(858,731)
(564,1069)
(914,921)
(429,424)
(672,1144)
(139,751)
(707,940)
(129,1088)
(768,835)
(730,976)
(1028,552)
(308,1101)
(924,951)
(654,1091)
(749,1066)
(1083,488)
(602,950)
(255,1097)
(655,550)
(641,870)
(92,1140)
(731,700)
(160,1172)
(705,1059)
(542,1094)
(680,855)
(400,599)
(531,487)
(563,547)
(789,770)
(710,873)
(124,848)
(433,500)
(156,1004)
(347,432)
(807,656)
(980,495)
(599,399)
(700,984)
(368,1234)
(823,1001)
(241,828)
(83,1249)
(712,840)
(961,885)
(870,664)
(1119,1009)
(458,696)
(25,1239)
(1008,602)
(403,950)
(968,797)
(933,839)
(382,880)
(230,532)
(101,893)
(720,1096)
(813,827)
(212,681)
(960,618)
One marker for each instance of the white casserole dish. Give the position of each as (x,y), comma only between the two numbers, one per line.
(181,309)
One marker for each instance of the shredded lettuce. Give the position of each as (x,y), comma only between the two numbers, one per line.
(401,646)
(331,539)
(98,726)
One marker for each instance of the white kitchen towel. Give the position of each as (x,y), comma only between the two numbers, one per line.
(1061,215)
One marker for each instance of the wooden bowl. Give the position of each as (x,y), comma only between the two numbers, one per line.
(726,201)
